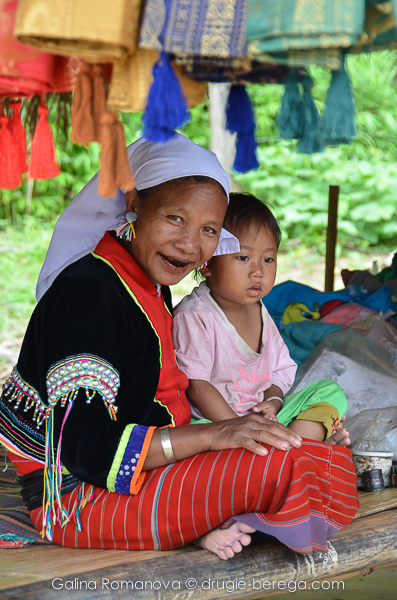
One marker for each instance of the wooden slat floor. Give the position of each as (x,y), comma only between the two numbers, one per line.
(39,571)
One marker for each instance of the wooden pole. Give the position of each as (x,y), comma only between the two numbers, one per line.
(332,231)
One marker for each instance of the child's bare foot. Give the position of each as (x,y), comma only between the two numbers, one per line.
(225,543)
(340,437)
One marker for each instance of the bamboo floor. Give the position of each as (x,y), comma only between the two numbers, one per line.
(367,544)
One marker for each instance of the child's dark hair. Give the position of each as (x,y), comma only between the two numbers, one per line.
(245,211)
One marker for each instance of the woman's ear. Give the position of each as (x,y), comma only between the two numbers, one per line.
(131,200)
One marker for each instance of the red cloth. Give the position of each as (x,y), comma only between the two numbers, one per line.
(171,380)
(299,496)
(25,71)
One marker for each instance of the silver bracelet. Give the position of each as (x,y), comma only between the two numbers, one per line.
(275,398)
(167,445)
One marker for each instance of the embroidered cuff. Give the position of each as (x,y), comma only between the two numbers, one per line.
(126,473)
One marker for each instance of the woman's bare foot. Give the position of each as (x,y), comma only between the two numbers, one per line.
(225,543)
(340,437)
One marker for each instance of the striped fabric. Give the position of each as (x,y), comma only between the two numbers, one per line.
(300,496)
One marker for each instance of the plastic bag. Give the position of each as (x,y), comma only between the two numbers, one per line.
(374,430)
(362,358)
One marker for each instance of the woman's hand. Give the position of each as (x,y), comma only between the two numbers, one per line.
(241,432)
(250,432)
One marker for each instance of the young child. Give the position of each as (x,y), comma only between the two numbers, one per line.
(229,347)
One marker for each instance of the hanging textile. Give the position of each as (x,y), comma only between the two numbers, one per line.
(25,71)
(302,33)
(195,27)
(318,32)
(132,78)
(303,24)
(241,72)
(97,30)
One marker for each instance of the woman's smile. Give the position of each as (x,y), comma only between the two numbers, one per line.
(175,264)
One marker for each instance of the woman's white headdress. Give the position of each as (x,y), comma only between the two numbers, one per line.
(83,223)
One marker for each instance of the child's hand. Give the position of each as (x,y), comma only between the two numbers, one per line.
(268,409)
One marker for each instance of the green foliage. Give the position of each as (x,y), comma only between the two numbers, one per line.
(296,185)
(22,252)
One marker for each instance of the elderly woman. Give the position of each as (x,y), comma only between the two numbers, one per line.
(95,416)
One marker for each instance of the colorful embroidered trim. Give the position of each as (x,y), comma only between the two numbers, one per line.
(129,477)
(130,459)
(118,457)
(16,389)
(64,380)
(84,371)
(139,475)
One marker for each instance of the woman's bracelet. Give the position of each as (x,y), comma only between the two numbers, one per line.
(275,398)
(167,445)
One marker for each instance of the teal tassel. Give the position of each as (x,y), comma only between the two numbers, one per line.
(310,141)
(166,108)
(339,115)
(289,118)
(240,120)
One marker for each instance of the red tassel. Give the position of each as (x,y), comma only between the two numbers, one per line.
(19,135)
(43,163)
(10,174)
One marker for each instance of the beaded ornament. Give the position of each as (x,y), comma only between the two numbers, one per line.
(64,380)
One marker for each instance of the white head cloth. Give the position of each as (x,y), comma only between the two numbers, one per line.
(83,223)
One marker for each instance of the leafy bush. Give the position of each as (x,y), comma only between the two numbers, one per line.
(296,185)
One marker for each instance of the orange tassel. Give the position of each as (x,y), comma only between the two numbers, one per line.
(83,127)
(107,173)
(19,135)
(115,170)
(43,163)
(100,96)
(124,178)
(10,173)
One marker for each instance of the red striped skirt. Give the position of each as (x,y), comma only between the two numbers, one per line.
(300,497)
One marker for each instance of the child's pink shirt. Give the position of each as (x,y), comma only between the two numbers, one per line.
(208,347)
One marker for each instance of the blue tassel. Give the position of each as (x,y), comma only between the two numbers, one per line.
(339,114)
(289,118)
(166,108)
(245,153)
(240,120)
(311,140)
